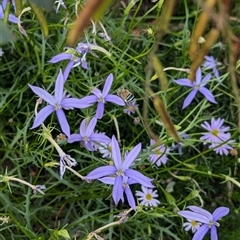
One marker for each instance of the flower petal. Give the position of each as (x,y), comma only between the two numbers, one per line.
(189,98)
(130,197)
(83,127)
(139,177)
(116,154)
(100,110)
(100,138)
(206,80)
(59,87)
(184,82)
(201,211)
(220,212)
(198,76)
(117,192)
(194,216)
(42,115)
(97,92)
(69,103)
(63,122)
(60,57)
(107,180)
(89,99)
(201,232)
(101,172)
(207,94)
(67,70)
(74,138)
(114,99)
(213,233)
(107,85)
(91,126)
(43,94)
(131,156)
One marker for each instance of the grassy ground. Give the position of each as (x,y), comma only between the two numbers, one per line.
(72,208)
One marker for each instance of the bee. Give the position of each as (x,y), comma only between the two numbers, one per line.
(126,95)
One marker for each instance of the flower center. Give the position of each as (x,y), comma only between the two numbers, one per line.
(149,197)
(157,151)
(85,139)
(74,58)
(213,223)
(215,132)
(194,223)
(101,99)
(120,172)
(57,106)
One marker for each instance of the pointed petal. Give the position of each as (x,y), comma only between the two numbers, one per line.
(84,64)
(184,82)
(198,76)
(101,172)
(107,180)
(12,18)
(43,94)
(114,99)
(206,80)
(131,156)
(207,94)
(130,198)
(60,57)
(201,211)
(63,122)
(89,99)
(100,138)
(42,115)
(83,127)
(193,216)
(201,232)
(100,110)
(189,98)
(213,233)
(59,87)
(220,212)
(116,154)
(117,192)
(67,70)
(107,85)
(91,126)
(97,92)
(69,103)
(74,138)
(139,177)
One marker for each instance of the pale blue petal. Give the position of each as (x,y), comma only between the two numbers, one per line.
(114,99)
(189,98)
(107,85)
(220,212)
(59,87)
(83,127)
(130,198)
(139,177)
(84,64)
(201,232)
(67,70)
(184,82)
(193,216)
(100,110)
(100,138)
(43,94)
(42,115)
(131,156)
(116,154)
(90,99)
(117,192)
(91,126)
(207,94)
(69,103)
(107,180)
(198,76)
(201,211)
(101,172)
(206,80)
(12,18)
(60,57)
(97,92)
(4,3)
(75,138)
(63,122)
(213,233)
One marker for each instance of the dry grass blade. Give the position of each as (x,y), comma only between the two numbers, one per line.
(163,113)
(83,19)
(200,27)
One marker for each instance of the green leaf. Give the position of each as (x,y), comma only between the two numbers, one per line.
(46,4)
(6,34)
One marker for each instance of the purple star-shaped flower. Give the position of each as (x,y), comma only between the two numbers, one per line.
(87,135)
(197,85)
(121,169)
(102,97)
(125,188)
(57,103)
(11,17)
(211,64)
(208,220)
